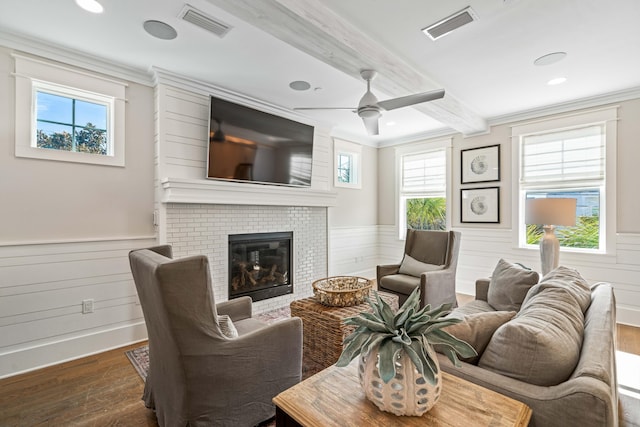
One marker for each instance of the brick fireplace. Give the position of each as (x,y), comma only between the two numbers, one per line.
(195,229)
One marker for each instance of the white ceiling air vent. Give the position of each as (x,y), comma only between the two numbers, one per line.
(450,23)
(204,21)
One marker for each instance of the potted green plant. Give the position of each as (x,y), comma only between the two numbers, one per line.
(398,368)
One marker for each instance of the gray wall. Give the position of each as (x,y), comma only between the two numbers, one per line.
(47,200)
(358,206)
(65,233)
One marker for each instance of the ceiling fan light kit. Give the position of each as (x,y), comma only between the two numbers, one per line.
(370,110)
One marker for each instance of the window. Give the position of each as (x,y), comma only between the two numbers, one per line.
(345,168)
(68,115)
(422,201)
(571,162)
(347,171)
(66,123)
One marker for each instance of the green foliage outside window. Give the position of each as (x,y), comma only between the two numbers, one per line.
(585,234)
(88,140)
(427,213)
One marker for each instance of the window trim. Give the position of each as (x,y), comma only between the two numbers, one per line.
(607,116)
(31,74)
(355,151)
(418,147)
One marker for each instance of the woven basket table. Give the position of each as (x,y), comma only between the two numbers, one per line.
(324,328)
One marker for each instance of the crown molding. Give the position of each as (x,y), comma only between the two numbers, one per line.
(73,57)
(565,107)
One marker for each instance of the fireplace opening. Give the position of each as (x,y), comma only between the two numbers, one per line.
(259,265)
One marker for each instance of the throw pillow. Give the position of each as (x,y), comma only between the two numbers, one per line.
(477,330)
(412,267)
(227,327)
(541,345)
(509,286)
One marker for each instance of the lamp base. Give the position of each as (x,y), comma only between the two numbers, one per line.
(549,250)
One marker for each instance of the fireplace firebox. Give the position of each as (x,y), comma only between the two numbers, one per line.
(259,265)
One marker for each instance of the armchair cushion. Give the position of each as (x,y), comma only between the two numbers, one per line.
(413,267)
(400,283)
(509,286)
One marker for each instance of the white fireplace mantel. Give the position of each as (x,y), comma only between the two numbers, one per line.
(180,190)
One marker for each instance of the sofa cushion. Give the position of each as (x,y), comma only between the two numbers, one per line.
(477,330)
(541,345)
(509,286)
(568,279)
(413,267)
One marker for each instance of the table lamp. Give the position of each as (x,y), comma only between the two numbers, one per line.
(550,212)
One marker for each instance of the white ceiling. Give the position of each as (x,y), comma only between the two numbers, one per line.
(486,67)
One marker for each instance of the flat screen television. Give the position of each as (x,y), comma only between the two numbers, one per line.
(253,146)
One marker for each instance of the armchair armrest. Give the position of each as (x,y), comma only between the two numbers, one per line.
(386,270)
(482,289)
(236,309)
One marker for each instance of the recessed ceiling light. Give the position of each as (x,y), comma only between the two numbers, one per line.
(299,85)
(557,81)
(550,58)
(160,30)
(90,6)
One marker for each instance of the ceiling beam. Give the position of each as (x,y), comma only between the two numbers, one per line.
(313,28)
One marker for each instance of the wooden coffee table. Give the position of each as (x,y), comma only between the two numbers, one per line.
(324,328)
(334,397)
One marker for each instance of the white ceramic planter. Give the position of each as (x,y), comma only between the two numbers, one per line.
(408,393)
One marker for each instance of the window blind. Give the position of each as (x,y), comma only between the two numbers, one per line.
(424,172)
(571,155)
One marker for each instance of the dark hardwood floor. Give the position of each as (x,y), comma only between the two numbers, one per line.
(105,390)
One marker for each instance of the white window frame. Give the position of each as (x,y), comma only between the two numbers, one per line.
(342,147)
(34,75)
(416,148)
(605,116)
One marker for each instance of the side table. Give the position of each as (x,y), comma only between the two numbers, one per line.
(324,329)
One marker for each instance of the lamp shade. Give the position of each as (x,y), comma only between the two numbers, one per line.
(550,211)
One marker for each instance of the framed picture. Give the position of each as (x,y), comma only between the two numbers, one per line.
(480,205)
(480,164)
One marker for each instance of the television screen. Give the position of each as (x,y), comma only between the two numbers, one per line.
(250,145)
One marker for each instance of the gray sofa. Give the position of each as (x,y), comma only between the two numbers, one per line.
(519,364)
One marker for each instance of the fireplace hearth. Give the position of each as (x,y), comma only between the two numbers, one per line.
(259,265)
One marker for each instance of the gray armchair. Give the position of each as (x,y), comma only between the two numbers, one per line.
(430,262)
(198,376)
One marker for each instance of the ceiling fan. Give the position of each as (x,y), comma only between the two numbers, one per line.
(370,109)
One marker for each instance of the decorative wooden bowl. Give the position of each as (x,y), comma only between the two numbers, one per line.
(341,291)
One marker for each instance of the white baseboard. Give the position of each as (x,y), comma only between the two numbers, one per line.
(41,356)
(628,316)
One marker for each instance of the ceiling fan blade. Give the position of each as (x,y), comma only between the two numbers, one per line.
(416,98)
(324,108)
(371,124)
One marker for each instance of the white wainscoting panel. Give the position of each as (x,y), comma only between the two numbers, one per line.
(42,287)
(353,251)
